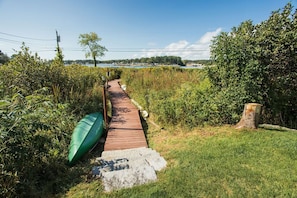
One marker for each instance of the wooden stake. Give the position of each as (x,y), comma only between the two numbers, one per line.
(104,106)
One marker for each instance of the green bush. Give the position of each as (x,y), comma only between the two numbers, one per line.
(40,105)
(77,85)
(34,137)
(257,63)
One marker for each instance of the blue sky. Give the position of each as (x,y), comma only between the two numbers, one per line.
(128,28)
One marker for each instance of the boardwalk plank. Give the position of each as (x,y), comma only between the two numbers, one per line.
(125,129)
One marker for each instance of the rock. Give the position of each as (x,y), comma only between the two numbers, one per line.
(124,87)
(126,168)
(127,178)
(158,163)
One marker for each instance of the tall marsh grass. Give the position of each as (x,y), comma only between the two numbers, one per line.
(172,95)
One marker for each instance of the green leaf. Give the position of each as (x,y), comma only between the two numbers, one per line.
(4,103)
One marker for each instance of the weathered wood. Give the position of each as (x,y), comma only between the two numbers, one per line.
(250,116)
(104,106)
(125,129)
(276,127)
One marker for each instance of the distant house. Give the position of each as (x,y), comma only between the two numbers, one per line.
(192,64)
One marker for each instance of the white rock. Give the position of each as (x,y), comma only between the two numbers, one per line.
(158,163)
(127,178)
(126,168)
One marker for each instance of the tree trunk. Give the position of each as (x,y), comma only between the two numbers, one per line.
(250,116)
(95,62)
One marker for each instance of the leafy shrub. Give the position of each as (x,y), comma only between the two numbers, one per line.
(257,63)
(39,107)
(25,72)
(77,85)
(34,137)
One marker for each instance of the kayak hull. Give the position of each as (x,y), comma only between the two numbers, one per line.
(85,135)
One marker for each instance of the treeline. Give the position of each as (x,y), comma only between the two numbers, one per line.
(157,60)
(161,60)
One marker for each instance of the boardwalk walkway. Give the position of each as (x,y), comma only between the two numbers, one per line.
(125,129)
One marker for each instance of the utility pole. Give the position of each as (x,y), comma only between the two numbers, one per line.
(59,54)
(58,41)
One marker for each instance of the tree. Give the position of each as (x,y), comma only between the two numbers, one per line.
(3,58)
(277,39)
(90,43)
(257,63)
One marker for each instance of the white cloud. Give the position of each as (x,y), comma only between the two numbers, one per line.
(208,36)
(184,49)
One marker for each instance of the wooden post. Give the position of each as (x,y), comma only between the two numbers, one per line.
(250,116)
(104,106)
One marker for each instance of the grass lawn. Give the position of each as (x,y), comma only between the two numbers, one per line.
(215,162)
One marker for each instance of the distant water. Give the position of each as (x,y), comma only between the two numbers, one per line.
(116,66)
(137,66)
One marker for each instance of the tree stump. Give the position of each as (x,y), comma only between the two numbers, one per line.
(250,116)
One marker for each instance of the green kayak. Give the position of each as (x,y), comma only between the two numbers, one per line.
(85,135)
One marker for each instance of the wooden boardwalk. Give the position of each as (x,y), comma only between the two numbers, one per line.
(125,129)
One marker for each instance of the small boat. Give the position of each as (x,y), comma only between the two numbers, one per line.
(85,136)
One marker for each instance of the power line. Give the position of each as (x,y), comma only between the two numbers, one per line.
(10,41)
(23,37)
(46,50)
